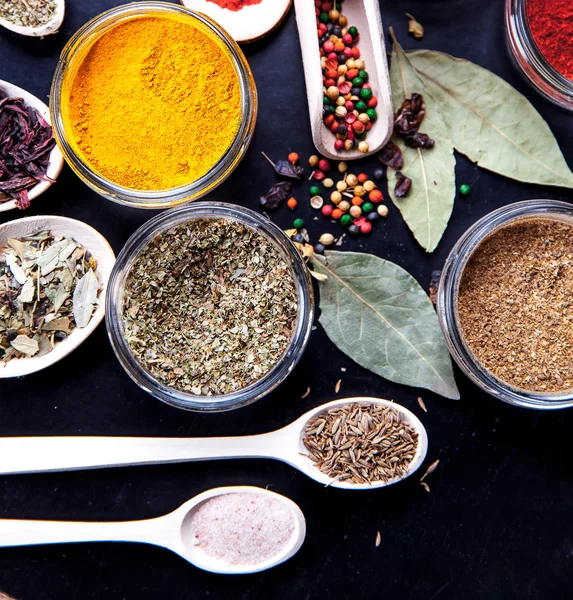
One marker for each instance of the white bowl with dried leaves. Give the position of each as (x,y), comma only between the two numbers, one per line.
(34,19)
(53,279)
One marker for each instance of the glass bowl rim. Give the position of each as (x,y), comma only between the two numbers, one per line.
(154,199)
(446,302)
(114,319)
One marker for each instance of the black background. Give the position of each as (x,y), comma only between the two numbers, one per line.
(496,523)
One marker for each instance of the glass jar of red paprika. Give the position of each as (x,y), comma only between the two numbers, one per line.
(535,34)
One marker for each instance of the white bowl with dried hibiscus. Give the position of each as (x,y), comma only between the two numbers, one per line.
(53,278)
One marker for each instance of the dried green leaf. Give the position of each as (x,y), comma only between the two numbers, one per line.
(26,345)
(428,205)
(377,313)
(85,298)
(491,122)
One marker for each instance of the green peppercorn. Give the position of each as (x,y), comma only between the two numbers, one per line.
(367,207)
(326,100)
(360,106)
(371,112)
(324,18)
(357,82)
(366,93)
(314,190)
(353,31)
(345,220)
(298,223)
(464,189)
(363,74)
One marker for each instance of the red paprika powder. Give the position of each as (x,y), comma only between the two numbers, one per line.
(551,23)
(234,5)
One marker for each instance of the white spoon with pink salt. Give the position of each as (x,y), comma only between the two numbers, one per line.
(228,530)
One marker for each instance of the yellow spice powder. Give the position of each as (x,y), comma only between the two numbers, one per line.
(154,104)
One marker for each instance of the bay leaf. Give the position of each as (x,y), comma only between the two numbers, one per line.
(377,314)
(28,291)
(429,203)
(58,324)
(26,345)
(491,122)
(85,298)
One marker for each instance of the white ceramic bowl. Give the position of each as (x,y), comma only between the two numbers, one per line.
(98,247)
(56,159)
(48,28)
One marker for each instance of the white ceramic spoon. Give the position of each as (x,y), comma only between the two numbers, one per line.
(365,15)
(98,247)
(48,28)
(41,454)
(171,531)
(56,159)
(247,25)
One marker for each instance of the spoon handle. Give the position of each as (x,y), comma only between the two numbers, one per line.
(41,454)
(20,532)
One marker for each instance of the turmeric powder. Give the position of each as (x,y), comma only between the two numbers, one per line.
(154,104)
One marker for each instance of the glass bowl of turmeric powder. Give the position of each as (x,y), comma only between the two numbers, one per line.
(152,104)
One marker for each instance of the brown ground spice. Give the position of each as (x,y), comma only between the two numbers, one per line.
(516,304)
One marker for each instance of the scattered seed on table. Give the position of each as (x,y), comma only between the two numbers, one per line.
(378,539)
(313,160)
(336,197)
(425,486)
(382,210)
(305,395)
(293,158)
(326,239)
(291,203)
(337,386)
(327,210)
(314,190)
(422,405)
(464,189)
(430,469)
(316,202)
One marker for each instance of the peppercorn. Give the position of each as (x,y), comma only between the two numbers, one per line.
(342,166)
(363,75)
(314,190)
(326,239)
(369,185)
(379,174)
(375,196)
(319,249)
(382,210)
(338,145)
(298,223)
(323,18)
(344,205)
(345,220)
(326,100)
(353,31)
(332,93)
(318,175)
(372,114)
(464,189)
(355,211)
(328,183)
(362,178)
(359,190)
(336,197)
(327,210)
(357,82)
(337,31)
(357,201)
(291,203)
(366,227)
(313,160)
(354,230)
(341,186)
(366,93)
(336,214)
(360,106)
(316,202)
(293,158)
(351,180)
(341,129)
(372,216)
(333,15)
(349,144)
(355,91)
(367,207)
(324,165)
(298,238)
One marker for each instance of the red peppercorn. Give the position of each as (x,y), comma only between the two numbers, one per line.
(329,120)
(331,73)
(327,210)
(339,47)
(332,56)
(366,227)
(360,221)
(323,28)
(355,52)
(347,52)
(352,73)
(350,132)
(328,46)
(293,158)
(329,82)
(291,203)
(324,165)
(368,126)
(373,102)
(319,175)
(347,39)
(344,88)
(336,213)
(326,7)
(357,201)
(375,196)
(367,86)
(349,106)
(362,178)
(338,145)
(358,127)
(334,127)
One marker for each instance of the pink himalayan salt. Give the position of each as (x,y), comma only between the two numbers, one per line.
(243,528)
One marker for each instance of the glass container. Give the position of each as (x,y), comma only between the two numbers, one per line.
(72,57)
(447,299)
(530,61)
(114,306)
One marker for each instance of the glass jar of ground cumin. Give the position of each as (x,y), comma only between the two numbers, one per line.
(152,104)
(538,37)
(505,303)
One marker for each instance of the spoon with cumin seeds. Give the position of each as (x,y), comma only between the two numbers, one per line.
(353,443)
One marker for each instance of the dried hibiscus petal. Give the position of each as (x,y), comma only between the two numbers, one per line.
(391,156)
(419,140)
(403,185)
(276,195)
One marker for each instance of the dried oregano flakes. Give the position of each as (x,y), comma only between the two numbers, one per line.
(210,306)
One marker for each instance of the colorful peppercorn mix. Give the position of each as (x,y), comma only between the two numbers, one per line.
(349,103)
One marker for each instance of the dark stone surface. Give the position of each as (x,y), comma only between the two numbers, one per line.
(496,522)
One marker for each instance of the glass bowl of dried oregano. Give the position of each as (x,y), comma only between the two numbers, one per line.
(505,303)
(209,306)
